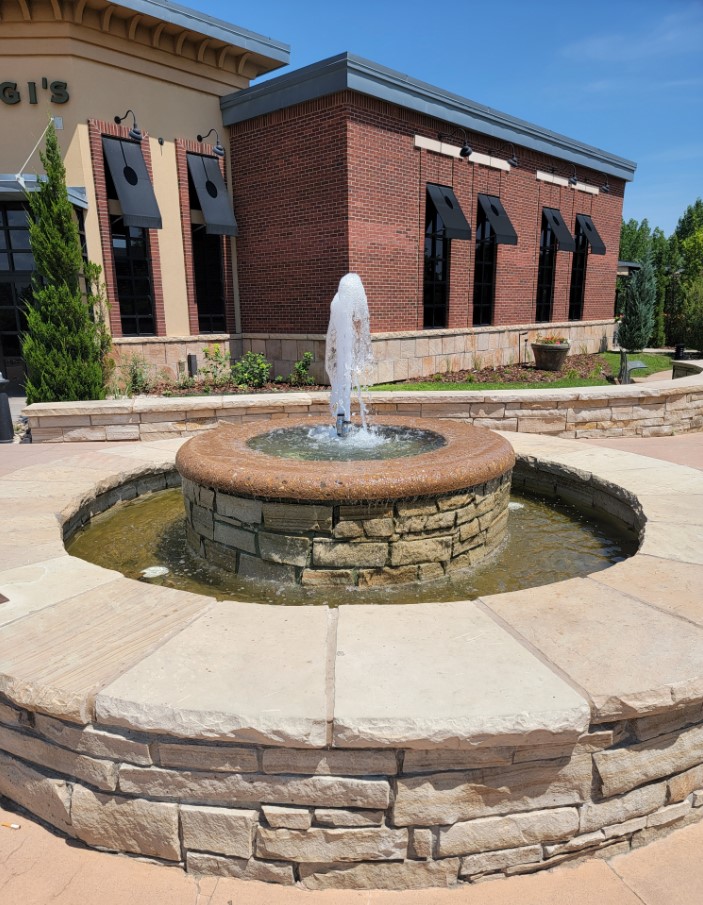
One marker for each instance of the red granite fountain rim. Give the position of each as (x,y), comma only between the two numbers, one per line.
(221,459)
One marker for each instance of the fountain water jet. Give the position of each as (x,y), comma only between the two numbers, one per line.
(348,351)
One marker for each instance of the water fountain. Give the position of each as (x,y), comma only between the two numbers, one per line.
(359,746)
(296,505)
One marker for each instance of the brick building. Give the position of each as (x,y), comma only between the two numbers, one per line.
(471,230)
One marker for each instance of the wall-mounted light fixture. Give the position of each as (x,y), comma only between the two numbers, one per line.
(606,187)
(573,179)
(135,133)
(512,160)
(218,150)
(466,150)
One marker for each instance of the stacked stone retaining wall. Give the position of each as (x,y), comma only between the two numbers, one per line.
(335,818)
(639,410)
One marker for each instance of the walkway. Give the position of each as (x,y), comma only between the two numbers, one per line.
(38,867)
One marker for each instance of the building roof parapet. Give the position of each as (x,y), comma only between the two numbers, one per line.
(184,17)
(349,72)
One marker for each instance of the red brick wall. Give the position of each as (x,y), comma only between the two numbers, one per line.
(337,185)
(290,199)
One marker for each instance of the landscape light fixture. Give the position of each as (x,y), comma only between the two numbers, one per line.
(135,133)
(218,150)
(573,179)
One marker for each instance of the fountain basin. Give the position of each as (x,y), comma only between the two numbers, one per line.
(318,522)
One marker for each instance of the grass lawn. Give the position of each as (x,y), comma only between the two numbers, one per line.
(598,370)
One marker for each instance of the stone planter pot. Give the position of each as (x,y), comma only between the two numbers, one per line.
(550,356)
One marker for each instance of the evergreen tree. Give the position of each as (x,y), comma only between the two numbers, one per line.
(63,343)
(639,307)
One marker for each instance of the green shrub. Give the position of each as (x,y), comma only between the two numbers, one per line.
(251,370)
(217,369)
(137,375)
(300,375)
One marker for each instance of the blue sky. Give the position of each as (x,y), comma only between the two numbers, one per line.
(623,76)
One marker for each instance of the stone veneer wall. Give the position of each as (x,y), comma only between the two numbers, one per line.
(398,356)
(637,410)
(364,544)
(393,818)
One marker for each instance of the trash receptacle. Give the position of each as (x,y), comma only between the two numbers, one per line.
(679,351)
(7,432)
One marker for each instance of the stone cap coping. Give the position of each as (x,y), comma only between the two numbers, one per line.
(566,396)
(221,458)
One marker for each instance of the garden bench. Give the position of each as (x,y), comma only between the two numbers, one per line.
(626,367)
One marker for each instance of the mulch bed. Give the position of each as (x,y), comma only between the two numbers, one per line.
(576,366)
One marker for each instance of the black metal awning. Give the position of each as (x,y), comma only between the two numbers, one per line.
(591,234)
(499,220)
(132,184)
(456,226)
(212,194)
(561,233)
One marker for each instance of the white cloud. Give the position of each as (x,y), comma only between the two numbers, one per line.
(674,35)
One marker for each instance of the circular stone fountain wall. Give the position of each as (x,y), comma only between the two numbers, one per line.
(365,522)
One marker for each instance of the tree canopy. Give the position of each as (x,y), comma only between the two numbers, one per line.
(677,264)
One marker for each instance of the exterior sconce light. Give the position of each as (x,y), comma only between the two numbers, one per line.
(218,150)
(466,150)
(605,188)
(573,179)
(135,133)
(513,161)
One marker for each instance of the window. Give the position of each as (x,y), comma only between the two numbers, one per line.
(16,266)
(484,270)
(130,252)
(209,281)
(444,221)
(436,282)
(545,271)
(578,275)
(132,261)
(207,246)
(493,228)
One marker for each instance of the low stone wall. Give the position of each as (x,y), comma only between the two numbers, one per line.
(397,356)
(636,410)
(381,818)
(686,368)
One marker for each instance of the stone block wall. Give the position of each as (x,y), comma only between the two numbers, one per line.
(397,356)
(364,544)
(638,410)
(362,818)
